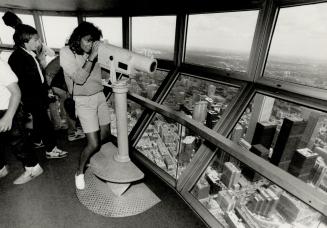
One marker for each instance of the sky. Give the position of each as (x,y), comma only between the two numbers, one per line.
(302,31)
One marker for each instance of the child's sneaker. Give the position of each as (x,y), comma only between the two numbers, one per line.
(75,136)
(3,171)
(56,153)
(37,145)
(29,174)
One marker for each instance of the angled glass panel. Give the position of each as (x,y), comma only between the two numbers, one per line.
(134,111)
(221,40)
(204,100)
(169,145)
(146,84)
(237,201)
(298,51)
(111,28)
(290,136)
(57,30)
(8,32)
(154,36)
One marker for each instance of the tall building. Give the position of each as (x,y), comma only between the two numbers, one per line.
(292,209)
(237,133)
(231,175)
(212,178)
(319,172)
(315,121)
(187,149)
(200,111)
(242,212)
(255,203)
(273,203)
(302,163)
(322,152)
(226,201)
(201,189)
(264,134)
(211,90)
(287,142)
(233,220)
(251,174)
(212,118)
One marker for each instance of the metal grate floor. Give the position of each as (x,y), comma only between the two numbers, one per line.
(98,198)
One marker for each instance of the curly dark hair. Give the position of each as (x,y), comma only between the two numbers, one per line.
(83,29)
(23,33)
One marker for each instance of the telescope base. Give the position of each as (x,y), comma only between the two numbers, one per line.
(117,189)
(98,198)
(107,168)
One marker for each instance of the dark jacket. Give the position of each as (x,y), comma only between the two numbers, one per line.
(34,92)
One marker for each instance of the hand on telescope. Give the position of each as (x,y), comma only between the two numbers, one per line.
(94,51)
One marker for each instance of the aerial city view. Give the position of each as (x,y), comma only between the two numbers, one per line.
(290,136)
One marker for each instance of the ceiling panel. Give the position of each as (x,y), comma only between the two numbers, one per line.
(129,7)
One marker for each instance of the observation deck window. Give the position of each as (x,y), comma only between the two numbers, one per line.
(154,36)
(52,24)
(205,101)
(6,32)
(221,40)
(298,51)
(111,28)
(234,200)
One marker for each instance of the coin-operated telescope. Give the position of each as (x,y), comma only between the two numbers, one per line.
(112,164)
(123,61)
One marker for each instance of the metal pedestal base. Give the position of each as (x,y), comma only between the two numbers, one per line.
(98,198)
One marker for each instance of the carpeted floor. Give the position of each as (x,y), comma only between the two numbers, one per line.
(49,201)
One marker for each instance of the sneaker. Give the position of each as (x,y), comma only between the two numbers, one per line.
(79,131)
(29,174)
(79,181)
(37,145)
(75,136)
(3,171)
(56,153)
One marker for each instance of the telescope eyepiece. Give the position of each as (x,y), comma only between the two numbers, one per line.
(153,67)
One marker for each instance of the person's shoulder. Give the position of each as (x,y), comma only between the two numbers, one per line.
(7,71)
(65,49)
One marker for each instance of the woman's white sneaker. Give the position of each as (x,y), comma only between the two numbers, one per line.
(79,181)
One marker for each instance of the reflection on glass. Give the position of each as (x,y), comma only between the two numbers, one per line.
(4,55)
(236,201)
(154,36)
(111,28)
(288,135)
(221,40)
(134,112)
(298,51)
(145,84)
(7,32)
(169,145)
(51,24)
(205,101)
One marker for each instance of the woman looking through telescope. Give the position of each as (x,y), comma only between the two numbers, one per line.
(83,78)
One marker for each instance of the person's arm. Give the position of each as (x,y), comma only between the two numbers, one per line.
(69,64)
(6,120)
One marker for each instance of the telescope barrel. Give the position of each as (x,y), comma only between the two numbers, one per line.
(126,62)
